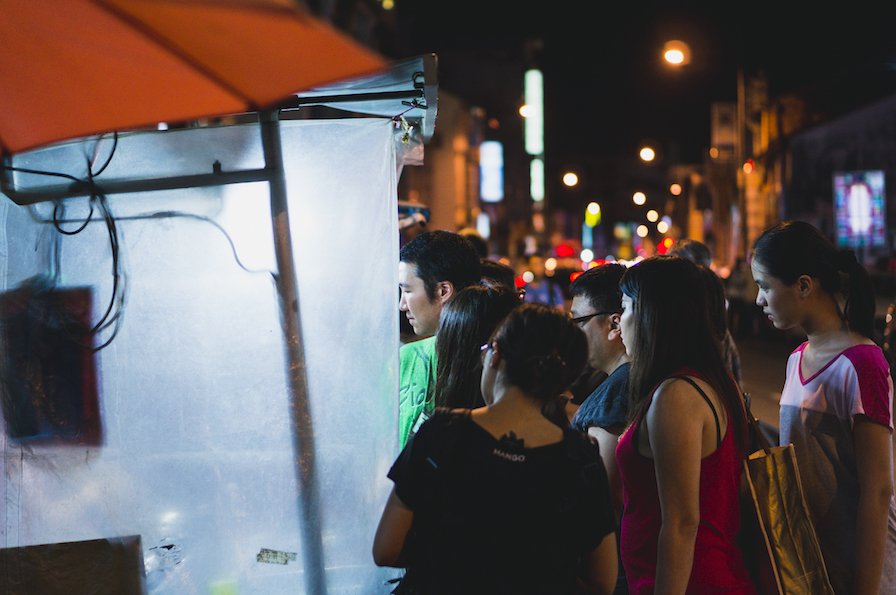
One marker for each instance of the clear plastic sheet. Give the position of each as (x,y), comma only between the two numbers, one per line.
(196,452)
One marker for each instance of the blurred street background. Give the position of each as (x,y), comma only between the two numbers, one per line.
(763,361)
(567,141)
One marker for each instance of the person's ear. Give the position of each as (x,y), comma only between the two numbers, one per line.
(444,291)
(615,331)
(805,284)
(495,360)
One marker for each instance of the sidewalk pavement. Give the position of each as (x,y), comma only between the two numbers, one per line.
(763,365)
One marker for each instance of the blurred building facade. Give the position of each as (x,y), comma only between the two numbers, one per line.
(770,157)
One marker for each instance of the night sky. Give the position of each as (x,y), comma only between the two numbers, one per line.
(607,89)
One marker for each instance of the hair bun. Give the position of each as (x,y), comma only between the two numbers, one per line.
(551,361)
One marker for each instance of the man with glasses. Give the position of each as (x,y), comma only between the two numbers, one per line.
(596,308)
(433,267)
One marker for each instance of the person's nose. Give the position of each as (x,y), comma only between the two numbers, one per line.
(402,304)
(760,300)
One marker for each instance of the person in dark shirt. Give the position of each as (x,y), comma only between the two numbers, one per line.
(507,498)
(603,415)
(596,308)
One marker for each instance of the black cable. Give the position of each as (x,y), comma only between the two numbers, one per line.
(108,318)
(108,159)
(39,172)
(203,218)
(56,220)
(78,181)
(114,311)
(219,227)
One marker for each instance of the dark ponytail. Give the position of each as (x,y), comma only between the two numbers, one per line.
(858,290)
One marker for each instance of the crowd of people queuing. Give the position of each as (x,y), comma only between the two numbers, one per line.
(503,484)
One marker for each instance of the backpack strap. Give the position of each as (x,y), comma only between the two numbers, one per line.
(715,415)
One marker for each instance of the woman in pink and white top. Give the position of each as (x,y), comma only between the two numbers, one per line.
(837,401)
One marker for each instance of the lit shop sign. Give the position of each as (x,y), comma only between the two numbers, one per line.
(534,112)
(860,208)
(491,171)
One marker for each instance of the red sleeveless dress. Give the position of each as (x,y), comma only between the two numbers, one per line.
(718,562)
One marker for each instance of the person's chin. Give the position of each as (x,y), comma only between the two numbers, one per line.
(415,325)
(780,324)
(420,331)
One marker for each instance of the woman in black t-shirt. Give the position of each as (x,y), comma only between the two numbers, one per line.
(506,498)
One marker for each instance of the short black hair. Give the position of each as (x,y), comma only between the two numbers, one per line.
(600,285)
(476,239)
(441,255)
(498,272)
(693,250)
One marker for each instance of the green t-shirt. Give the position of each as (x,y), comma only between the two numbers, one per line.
(417,384)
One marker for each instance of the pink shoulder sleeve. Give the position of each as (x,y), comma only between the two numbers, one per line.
(875,385)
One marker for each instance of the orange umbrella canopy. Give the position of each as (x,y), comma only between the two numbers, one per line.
(72,68)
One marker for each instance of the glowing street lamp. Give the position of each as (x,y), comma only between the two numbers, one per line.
(592,214)
(592,220)
(676,52)
(647,154)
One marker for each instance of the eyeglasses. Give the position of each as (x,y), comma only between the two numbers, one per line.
(583,320)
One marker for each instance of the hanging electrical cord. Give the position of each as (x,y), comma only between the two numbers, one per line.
(113,315)
(115,310)
(96,148)
(219,227)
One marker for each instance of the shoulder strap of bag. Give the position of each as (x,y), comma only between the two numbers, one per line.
(757,438)
(715,415)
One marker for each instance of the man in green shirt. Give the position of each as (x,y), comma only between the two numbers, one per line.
(433,267)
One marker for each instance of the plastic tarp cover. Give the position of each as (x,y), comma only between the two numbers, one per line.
(196,452)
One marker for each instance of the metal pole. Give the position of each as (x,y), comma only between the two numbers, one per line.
(302,427)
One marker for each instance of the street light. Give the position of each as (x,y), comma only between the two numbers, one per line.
(647,154)
(677,53)
(570,179)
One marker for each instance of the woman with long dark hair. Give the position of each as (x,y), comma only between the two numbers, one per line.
(837,401)
(680,459)
(506,498)
(466,322)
